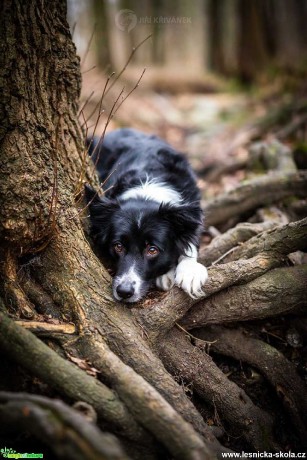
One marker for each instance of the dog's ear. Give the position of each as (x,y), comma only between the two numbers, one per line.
(184,218)
(100,209)
(186,222)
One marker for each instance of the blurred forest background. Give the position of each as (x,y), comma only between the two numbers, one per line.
(233,38)
(218,73)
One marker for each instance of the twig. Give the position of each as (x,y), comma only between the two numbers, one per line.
(88,70)
(206,342)
(85,103)
(134,50)
(37,327)
(73,30)
(88,46)
(223,256)
(99,104)
(130,92)
(110,116)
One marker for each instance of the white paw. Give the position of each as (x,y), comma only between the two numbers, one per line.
(166,281)
(191,277)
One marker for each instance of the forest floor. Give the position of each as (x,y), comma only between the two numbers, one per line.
(217,132)
(213,129)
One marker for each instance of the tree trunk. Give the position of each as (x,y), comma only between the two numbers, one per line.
(41,141)
(42,155)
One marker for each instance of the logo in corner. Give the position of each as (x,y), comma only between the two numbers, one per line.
(126,20)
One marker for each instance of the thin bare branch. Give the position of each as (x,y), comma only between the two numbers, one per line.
(134,50)
(85,103)
(88,47)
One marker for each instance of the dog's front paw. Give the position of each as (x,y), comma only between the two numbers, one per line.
(191,277)
(166,281)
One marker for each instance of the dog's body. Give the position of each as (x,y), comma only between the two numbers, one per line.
(149,219)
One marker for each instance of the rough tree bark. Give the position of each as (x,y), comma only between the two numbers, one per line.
(49,269)
(42,161)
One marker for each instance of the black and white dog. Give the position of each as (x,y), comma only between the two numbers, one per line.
(149,219)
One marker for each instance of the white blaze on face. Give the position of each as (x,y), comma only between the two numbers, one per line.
(131,277)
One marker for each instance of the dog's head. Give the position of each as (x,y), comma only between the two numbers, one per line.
(143,239)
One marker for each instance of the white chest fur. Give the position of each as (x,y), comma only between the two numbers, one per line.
(153,190)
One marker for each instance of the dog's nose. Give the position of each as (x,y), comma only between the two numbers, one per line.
(125,290)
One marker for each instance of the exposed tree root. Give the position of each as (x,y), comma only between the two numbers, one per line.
(231,403)
(227,241)
(98,315)
(279,291)
(159,319)
(15,297)
(165,423)
(68,434)
(271,363)
(255,193)
(148,406)
(42,301)
(32,354)
(269,249)
(281,240)
(216,171)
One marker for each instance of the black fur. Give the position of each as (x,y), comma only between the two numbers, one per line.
(124,160)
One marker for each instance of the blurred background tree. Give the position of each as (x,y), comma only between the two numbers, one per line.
(236,38)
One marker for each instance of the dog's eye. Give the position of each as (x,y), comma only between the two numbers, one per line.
(152,251)
(118,247)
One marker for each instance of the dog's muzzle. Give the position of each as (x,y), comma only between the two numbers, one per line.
(129,286)
(125,290)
